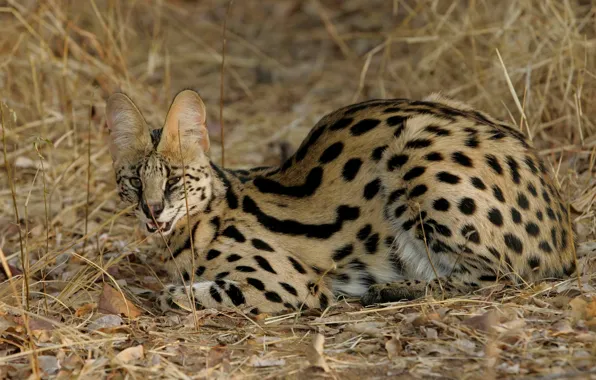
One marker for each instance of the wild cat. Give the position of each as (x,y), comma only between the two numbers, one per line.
(384,200)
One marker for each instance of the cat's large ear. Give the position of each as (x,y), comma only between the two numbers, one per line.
(185,129)
(129,135)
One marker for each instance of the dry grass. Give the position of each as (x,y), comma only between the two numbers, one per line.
(287,63)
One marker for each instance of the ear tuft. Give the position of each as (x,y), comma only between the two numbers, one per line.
(185,125)
(129,135)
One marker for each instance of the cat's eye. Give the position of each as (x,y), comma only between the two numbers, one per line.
(172,181)
(135,182)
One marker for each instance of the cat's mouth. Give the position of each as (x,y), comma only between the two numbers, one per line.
(159,226)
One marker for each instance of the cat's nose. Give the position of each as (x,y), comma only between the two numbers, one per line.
(152,209)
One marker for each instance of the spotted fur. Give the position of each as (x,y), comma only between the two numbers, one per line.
(384,200)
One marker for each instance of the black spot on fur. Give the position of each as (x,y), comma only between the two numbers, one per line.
(212,254)
(469,232)
(235,295)
(343,252)
(514,243)
(310,185)
(395,195)
(442,229)
(395,121)
(363,126)
(232,232)
(495,217)
(396,162)
(377,153)
(532,189)
(399,211)
(546,196)
(498,194)
(258,284)
(534,262)
(297,266)
(493,162)
(295,228)
(245,269)
(233,257)
(415,172)
(477,183)
(530,163)
(312,139)
(273,297)
(261,245)
(550,213)
(494,252)
(231,197)
(467,206)
(462,159)
(418,191)
(372,243)
(434,156)
(514,169)
(331,153)
(372,188)
(515,216)
(435,129)
(200,270)
(563,239)
(545,247)
(264,264)
(418,143)
(441,204)
(215,294)
(289,288)
(448,178)
(341,124)
(351,169)
(364,232)
(312,288)
(472,142)
(532,229)
(323,301)
(522,201)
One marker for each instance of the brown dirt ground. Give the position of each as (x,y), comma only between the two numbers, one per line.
(287,63)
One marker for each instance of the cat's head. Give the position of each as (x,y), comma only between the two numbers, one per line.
(162,171)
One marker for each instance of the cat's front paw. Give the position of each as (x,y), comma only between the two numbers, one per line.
(175,297)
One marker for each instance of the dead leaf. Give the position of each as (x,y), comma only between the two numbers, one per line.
(484,322)
(591,310)
(85,309)
(106,322)
(393,347)
(48,364)
(217,355)
(6,323)
(562,327)
(314,353)
(255,361)
(131,353)
(35,323)
(112,301)
(432,333)
(578,309)
(369,328)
